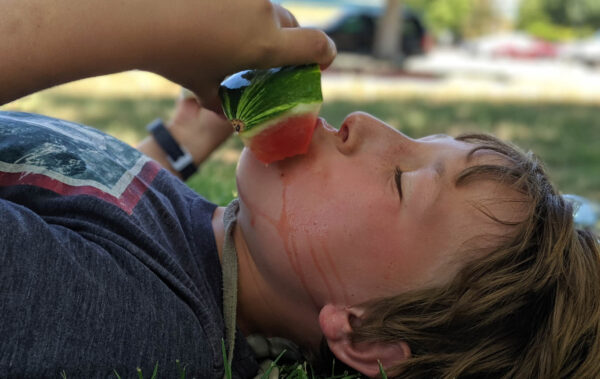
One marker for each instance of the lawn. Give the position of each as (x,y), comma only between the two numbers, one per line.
(565,136)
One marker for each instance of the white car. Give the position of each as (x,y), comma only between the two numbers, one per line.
(586,51)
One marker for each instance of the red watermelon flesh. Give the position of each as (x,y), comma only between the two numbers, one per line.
(284,139)
(274,111)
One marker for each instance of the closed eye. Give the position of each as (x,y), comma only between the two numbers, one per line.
(398,178)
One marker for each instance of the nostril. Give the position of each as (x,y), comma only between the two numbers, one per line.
(343,133)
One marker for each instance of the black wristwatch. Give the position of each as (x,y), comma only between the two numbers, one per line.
(179,158)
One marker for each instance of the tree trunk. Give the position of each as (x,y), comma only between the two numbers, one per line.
(388,41)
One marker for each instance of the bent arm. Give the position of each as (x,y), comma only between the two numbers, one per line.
(45,43)
(195,43)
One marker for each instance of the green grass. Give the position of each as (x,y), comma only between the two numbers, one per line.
(565,136)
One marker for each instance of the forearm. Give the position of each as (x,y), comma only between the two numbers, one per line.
(195,43)
(45,43)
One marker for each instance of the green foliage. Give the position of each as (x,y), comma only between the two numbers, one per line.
(556,33)
(463,18)
(559,20)
(532,11)
(574,12)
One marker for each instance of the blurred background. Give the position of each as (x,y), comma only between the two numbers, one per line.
(525,70)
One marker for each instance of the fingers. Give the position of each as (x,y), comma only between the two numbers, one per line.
(305,45)
(323,53)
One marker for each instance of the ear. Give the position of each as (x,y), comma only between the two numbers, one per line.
(336,324)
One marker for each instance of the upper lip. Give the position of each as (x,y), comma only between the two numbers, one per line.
(326,126)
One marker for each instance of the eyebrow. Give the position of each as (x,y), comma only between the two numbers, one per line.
(486,171)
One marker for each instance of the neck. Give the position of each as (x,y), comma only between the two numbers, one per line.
(262,308)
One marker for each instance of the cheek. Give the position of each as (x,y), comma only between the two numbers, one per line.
(352,238)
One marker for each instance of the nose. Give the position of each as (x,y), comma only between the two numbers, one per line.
(360,131)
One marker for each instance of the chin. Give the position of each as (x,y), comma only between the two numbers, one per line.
(259,186)
(253,175)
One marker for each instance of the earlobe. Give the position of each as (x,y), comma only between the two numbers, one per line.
(336,323)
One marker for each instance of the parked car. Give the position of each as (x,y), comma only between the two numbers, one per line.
(512,45)
(586,51)
(355,31)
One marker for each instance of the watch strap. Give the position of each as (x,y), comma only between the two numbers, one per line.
(179,158)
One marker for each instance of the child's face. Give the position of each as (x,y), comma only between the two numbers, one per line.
(331,226)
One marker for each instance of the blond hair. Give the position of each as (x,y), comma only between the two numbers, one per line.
(528,308)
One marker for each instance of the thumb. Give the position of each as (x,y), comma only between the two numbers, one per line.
(305,45)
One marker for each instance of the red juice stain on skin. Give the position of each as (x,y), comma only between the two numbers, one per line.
(334,271)
(283,228)
(315,260)
(254,210)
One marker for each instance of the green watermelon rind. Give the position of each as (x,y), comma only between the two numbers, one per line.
(300,109)
(256,97)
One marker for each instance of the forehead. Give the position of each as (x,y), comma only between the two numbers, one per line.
(464,159)
(460,216)
(455,155)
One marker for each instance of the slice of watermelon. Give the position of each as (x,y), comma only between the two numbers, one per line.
(274,111)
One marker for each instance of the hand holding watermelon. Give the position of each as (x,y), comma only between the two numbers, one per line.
(274,111)
(254,34)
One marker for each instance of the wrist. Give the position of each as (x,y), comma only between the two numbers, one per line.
(199,130)
(179,158)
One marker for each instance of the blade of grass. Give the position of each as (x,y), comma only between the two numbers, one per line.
(180,371)
(381,371)
(225,360)
(273,365)
(155,373)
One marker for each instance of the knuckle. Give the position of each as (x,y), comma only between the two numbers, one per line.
(263,52)
(266,6)
(286,18)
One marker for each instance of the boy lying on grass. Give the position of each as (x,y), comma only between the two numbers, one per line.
(438,257)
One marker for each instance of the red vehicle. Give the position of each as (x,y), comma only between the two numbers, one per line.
(533,49)
(515,45)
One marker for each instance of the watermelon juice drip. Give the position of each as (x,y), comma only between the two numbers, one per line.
(285,139)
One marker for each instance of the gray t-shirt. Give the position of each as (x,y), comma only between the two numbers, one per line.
(108,262)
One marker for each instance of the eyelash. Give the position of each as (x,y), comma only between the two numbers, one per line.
(398,178)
